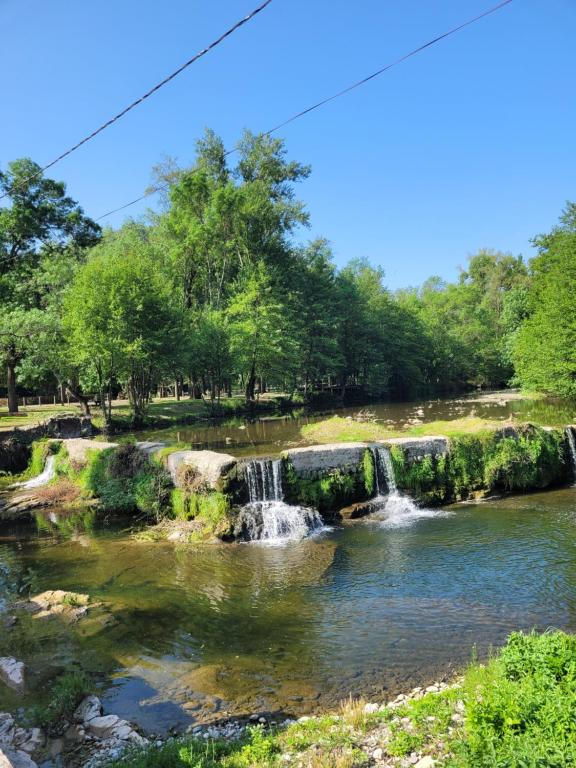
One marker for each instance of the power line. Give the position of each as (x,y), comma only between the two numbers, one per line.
(336,95)
(149,93)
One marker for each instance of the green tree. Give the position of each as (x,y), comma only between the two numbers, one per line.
(544,347)
(38,225)
(120,320)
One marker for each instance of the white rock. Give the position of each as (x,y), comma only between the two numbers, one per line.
(18,759)
(12,672)
(88,709)
(425,762)
(378,754)
(6,728)
(100,726)
(370,708)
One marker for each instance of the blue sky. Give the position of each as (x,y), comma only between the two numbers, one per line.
(468,145)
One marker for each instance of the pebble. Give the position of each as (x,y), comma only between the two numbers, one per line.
(378,754)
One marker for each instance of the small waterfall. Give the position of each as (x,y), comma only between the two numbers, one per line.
(383,471)
(572,446)
(394,509)
(47,474)
(267,517)
(264,478)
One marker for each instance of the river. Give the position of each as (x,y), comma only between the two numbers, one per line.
(195,633)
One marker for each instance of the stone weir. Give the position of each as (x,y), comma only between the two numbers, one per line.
(15,444)
(431,470)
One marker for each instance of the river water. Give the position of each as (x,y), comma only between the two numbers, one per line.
(372,607)
(270,435)
(191,633)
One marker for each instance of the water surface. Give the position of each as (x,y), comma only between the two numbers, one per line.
(370,608)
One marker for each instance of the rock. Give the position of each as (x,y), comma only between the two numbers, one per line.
(318,459)
(211,467)
(378,754)
(415,448)
(35,741)
(12,673)
(6,728)
(370,708)
(425,762)
(88,709)
(15,759)
(100,726)
(78,448)
(72,606)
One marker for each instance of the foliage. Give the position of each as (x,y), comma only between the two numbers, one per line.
(328,491)
(543,343)
(517,711)
(125,480)
(66,693)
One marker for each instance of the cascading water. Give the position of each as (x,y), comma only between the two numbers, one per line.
(394,510)
(572,446)
(47,474)
(267,517)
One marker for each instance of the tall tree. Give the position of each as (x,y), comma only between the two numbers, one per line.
(39,220)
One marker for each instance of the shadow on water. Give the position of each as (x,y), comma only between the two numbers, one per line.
(204,633)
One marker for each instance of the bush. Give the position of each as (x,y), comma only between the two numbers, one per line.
(125,480)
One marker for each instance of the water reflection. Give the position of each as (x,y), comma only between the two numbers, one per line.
(269,436)
(204,631)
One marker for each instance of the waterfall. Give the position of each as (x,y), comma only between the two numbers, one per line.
(572,447)
(383,471)
(47,474)
(264,478)
(267,517)
(392,508)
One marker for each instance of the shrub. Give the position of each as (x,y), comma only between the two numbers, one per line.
(125,480)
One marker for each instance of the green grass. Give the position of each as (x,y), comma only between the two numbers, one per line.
(343,430)
(516,711)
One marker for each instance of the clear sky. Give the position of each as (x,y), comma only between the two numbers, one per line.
(468,145)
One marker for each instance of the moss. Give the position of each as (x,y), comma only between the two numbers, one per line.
(533,459)
(328,491)
(124,480)
(369,472)
(427,479)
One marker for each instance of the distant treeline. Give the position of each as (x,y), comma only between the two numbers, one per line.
(214,293)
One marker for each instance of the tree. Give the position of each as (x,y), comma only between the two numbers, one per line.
(40,220)
(544,347)
(262,338)
(120,320)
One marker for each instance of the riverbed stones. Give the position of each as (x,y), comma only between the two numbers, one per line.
(71,606)
(12,673)
(210,466)
(88,709)
(15,759)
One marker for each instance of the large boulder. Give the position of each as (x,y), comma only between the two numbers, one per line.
(211,468)
(319,459)
(78,448)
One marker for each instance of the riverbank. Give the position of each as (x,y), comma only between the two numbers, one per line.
(516,710)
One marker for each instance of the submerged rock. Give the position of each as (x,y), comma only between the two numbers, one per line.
(12,673)
(71,606)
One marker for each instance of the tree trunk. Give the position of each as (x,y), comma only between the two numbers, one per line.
(11,386)
(251,384)
(177,389)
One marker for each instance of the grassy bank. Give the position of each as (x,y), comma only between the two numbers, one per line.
(345,430)
(163,412)
(516,711)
